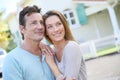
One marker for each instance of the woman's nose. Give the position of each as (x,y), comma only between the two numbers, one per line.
(55,28)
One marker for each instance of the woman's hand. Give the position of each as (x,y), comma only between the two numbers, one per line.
(46,49)
(48,52)
(49,58)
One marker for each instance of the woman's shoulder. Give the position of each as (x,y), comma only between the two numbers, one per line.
(73,43)
(72,48)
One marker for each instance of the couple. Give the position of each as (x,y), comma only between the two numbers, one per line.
(27,61)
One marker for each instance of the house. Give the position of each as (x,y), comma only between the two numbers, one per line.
(102,16)
(98,26)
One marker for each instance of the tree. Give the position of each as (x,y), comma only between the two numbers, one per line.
(5,35)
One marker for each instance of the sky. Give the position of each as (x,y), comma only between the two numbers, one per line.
(8,6)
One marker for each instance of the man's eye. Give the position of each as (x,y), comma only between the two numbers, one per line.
(34,22)
(41,22)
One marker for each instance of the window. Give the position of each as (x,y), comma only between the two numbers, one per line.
(70,17)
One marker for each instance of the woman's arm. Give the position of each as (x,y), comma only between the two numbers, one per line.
(49,57)
(59,76)
(73,59)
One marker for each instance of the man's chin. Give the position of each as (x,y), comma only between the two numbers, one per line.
(38,40)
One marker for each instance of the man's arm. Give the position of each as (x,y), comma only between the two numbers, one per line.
(11,70)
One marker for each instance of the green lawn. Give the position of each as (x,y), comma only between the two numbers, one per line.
(101,52)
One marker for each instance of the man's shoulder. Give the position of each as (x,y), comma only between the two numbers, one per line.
(17,49)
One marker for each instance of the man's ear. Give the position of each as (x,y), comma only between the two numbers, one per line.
(21,28)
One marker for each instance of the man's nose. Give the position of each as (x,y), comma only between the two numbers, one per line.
(40,25)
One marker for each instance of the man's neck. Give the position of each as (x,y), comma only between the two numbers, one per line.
(32,47)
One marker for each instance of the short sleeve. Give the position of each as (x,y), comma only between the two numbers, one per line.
(11,69)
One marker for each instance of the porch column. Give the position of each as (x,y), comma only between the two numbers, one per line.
(115,25)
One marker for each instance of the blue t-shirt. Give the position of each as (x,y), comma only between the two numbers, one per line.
(20,64)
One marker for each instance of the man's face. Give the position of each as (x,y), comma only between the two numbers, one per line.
(34,28)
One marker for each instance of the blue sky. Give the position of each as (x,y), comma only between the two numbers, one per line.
(8,6)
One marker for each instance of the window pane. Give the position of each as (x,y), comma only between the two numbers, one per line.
(73,21)
(71,14)
(65,15)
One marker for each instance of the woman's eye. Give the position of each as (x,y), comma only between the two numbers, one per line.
(58,24)
(49,27)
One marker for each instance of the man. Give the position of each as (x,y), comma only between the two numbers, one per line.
(27,62)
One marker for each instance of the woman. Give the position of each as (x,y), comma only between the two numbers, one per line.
(67,52)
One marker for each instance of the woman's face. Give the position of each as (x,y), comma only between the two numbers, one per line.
(55,28)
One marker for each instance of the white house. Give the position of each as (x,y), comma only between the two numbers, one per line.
(98,26)
(102,16)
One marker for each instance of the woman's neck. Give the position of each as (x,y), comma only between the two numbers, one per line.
(60,44)
(59,48)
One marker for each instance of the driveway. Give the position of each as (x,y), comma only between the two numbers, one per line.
(104,68)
